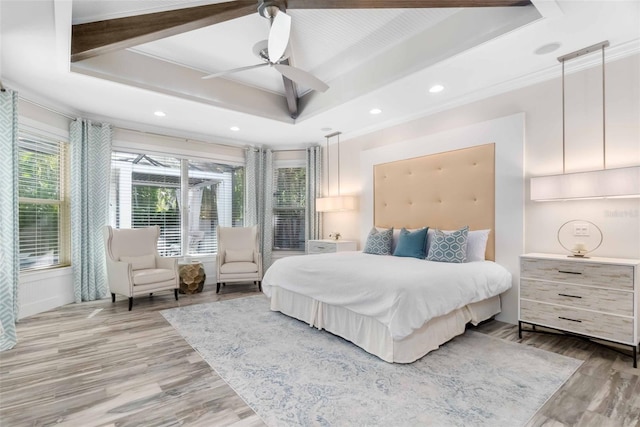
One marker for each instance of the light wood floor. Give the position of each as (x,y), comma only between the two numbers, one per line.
(97,364)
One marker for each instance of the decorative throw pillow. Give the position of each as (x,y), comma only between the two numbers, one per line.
(451,247)
(412,243)
(476,243)
(379,242)
(241,255)
(142,262)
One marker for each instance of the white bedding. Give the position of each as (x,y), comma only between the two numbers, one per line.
(401,293)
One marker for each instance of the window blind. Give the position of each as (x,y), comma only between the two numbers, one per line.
(289,201)
(43,207)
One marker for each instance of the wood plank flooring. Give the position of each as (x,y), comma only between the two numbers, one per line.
(97,364)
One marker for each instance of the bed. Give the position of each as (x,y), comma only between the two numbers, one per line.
(362,298)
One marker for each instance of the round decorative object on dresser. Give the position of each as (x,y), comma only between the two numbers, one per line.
(192,277)
(579,237)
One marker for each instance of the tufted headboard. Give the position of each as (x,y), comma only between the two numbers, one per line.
(446,190)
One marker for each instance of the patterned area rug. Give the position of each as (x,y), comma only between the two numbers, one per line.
(294,375)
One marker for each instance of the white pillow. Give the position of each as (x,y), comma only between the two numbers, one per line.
(142,262)
(242,255)
(476,243)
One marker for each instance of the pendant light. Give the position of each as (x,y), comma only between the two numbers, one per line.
(604,183)
(335,203)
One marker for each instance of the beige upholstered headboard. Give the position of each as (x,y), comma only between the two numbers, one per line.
(446,190)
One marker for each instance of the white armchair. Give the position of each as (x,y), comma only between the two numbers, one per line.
(239,258)
(134,266)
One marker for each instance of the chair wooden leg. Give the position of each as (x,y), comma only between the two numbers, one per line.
(175,292)
(130,303)
(260,285)
(113,297)
(218,288)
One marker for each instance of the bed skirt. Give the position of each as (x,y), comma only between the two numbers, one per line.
(373,336)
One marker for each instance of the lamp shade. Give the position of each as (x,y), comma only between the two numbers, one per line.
(336,203)
(619,182)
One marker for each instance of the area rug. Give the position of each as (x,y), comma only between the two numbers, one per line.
(293,375)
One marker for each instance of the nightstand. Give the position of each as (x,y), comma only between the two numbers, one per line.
(329,246)
(589,297)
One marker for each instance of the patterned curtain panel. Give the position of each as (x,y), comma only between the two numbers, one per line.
(314,190)
(253,194)
(90,167)
(9,259)
(266,219)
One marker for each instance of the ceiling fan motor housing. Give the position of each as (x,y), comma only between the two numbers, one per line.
(269,8)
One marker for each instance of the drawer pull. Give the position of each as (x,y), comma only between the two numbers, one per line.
(569,272)
(571,320)
(570,296)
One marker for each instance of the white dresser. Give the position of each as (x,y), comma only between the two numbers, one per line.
(590,297)
(329,246)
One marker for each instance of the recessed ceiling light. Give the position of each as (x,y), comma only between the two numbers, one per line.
(547,48)
(436,88)
(375,111)
(160,113)
(325,129)
(234,128)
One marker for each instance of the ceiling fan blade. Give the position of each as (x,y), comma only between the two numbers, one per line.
(302,77)
(279,36)
(235,70)
(397,4)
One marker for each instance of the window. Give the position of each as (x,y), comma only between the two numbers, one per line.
(188,199)
(43,205)
(289,202)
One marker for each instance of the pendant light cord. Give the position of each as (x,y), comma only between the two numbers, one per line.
(328,170)
(338,164)
(604,134)
(573,55)
(563,125)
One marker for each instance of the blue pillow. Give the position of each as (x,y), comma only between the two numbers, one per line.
(379,242)
(412,243)
(451,247)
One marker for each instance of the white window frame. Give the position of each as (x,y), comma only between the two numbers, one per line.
(31,129)
(184,158)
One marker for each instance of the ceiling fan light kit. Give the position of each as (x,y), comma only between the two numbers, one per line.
(604,183)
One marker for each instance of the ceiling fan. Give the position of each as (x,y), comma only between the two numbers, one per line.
(274,51)
(93,39)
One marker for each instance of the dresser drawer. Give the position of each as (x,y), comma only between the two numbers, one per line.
(584,322)
(605,275)
(599,299)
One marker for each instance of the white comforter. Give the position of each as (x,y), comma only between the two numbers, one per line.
(401,293)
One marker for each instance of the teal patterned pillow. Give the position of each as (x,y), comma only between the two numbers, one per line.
(451,247)
(379,242)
